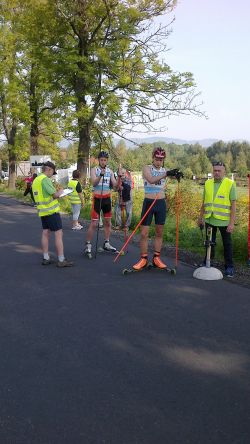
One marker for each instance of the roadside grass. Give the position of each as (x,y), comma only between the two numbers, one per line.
(189,198)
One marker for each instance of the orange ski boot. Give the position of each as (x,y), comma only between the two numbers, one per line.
(157,262)
(142,263)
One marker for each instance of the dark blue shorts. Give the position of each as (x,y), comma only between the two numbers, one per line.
(53,222)
(159,211)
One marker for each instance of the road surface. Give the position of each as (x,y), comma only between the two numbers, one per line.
(89,356)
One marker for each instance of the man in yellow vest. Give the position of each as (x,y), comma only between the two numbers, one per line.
(45,196)
(218,211)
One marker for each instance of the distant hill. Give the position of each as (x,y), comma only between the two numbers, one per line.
(139,140)
(203,142)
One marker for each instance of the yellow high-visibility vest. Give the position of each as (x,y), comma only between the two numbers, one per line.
(74,197)
(219,205)
(45,205)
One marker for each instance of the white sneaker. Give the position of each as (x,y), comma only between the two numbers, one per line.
(108,247)
(88,248)
(76,227)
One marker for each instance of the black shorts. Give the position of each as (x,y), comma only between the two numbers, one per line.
(104,205)
(159,211)
(53,222)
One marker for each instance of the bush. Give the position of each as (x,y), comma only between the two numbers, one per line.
(20,183)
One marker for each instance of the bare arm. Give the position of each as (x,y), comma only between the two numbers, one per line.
(202,211)
(95,180)
(201,215)
(57,194)
(148,176)
(81,198)
(113,180)
(230,227)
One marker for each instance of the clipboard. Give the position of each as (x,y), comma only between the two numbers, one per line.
(66,191)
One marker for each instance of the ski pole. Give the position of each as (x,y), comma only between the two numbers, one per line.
(208,245)
(137,226)
(124,218)
(177,217)
(98,226)
(248,219)
(121,205)
(123,212)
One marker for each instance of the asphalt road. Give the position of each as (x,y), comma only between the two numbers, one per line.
(89,356)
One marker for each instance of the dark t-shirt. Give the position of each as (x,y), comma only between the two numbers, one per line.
(78,187)
(126,190)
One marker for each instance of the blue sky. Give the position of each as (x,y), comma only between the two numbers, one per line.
(211,39)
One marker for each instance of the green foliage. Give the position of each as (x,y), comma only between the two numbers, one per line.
(20,184)
(191,159)
(96,67)
(235,155)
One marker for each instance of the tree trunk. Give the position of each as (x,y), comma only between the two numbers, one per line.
(34,130)
(83,148)
(34,133)
(12,156)
(12,171)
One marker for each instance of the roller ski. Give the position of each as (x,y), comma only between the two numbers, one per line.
(144,264)
(141,265)
(159,265)
(87,250)
(107,247)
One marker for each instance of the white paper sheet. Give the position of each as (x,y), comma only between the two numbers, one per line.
(66,192)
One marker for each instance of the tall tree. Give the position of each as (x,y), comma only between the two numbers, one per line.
(107,56)
(44,92)
(14,113)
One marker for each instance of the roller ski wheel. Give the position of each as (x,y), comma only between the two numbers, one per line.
(127,271)
(167,269)
(132,270)
(102,250)
(88,255)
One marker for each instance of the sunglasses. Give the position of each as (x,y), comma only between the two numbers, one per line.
(221,164)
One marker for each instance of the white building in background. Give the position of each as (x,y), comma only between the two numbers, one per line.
(65,174)
(23,168)
(37,161)
(35,165)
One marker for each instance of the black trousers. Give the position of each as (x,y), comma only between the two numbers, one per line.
(227,244)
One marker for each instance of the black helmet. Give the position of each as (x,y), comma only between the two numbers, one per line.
(103,154)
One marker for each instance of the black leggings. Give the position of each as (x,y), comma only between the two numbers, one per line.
(227,244)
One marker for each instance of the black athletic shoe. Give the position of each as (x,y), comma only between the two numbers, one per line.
(47,262)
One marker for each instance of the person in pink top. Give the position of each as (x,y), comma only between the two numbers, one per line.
(29,181)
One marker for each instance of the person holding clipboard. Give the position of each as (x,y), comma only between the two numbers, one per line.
(46,198)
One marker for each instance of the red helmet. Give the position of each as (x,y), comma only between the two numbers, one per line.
(159,152)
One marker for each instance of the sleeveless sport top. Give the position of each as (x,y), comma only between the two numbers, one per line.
(105,188)
(154,188)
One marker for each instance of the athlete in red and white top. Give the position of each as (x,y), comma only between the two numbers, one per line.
(102,179)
